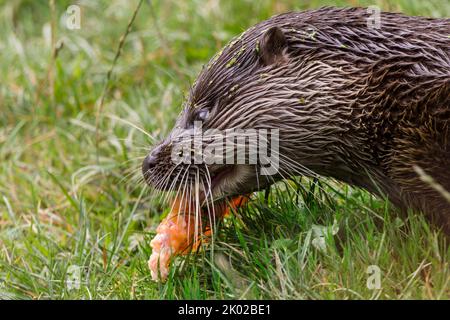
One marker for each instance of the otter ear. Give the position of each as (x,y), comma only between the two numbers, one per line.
(272,46)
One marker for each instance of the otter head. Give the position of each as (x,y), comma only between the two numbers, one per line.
(249,94)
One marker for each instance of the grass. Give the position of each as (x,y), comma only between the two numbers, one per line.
(69,204)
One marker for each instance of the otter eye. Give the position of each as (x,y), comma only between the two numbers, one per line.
(203,114)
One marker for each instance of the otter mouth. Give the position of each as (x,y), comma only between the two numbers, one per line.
(218,176)
(217,179)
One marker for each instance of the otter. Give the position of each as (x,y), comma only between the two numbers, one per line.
(369,106)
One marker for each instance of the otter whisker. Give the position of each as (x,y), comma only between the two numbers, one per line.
(210,194)
(197,206)
(180,187)
(172,184)
(132,125)
(134,173)
(211,215)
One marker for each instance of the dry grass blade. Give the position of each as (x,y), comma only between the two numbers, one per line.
(109,74)
(429,179)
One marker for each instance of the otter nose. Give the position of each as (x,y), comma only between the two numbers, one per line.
(150,161)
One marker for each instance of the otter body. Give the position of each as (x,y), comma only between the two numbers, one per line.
(367,105)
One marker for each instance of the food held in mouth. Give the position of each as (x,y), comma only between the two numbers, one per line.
(180,233)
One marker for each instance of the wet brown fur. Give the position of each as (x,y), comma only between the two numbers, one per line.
(361,105)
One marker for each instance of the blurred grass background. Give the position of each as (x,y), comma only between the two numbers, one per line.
(68,197)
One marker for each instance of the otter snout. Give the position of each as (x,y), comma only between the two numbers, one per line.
(150,161)
(155,164)
(148,164)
